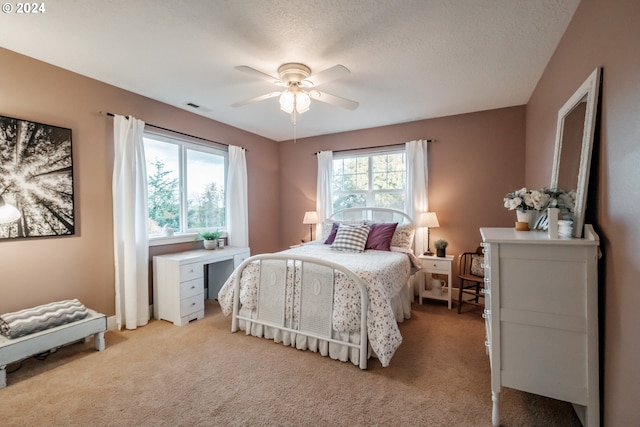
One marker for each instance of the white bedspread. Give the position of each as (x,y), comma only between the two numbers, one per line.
(385,274)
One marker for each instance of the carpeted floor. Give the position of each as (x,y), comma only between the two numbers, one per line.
(202,375)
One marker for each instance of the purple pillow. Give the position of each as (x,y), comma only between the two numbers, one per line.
(332,235)
(380,236)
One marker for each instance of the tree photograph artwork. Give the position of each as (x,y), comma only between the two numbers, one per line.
(36,180)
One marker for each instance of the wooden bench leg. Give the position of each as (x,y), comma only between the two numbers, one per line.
(99,341)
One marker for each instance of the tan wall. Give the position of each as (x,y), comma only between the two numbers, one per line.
(37,271)
(603,33)
(475,160)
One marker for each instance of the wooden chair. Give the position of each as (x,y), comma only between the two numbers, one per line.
(471,274)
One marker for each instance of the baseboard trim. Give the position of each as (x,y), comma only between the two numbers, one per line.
(112,325)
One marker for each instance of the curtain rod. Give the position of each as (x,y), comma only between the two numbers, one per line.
(174,131)
(369,148)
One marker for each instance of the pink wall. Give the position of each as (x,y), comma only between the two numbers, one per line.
(37,271)
(475,160)
(606,34)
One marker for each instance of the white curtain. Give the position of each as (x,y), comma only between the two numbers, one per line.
(237,199)
(130,216)
(417,182)
(324,204)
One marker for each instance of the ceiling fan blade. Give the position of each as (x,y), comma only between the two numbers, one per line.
(260,74)
(256,99)
(332,73)
(333,99)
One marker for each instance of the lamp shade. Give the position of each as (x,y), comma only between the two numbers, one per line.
(8,213)
(310,217)
(429,219)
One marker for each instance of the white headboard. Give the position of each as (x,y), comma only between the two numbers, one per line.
(371,214)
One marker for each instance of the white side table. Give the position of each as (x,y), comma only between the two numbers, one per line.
(432,264)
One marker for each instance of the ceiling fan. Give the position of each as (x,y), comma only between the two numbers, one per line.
(299,87)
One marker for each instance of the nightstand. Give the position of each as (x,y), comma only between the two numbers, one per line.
(432,264)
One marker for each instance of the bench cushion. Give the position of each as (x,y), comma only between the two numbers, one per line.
(31,320)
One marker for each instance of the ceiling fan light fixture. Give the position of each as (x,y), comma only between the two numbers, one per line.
(295,99)
(303,101)
(287,101)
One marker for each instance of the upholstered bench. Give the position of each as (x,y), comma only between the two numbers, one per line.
(16,349)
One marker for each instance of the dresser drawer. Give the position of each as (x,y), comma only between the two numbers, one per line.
(191,271)
(433,265)
(191,305)
(191,288)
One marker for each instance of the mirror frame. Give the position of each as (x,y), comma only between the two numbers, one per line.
(590,88)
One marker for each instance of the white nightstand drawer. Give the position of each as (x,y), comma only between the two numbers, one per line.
(192,304)
(191,288)
(433,264)
(191,271)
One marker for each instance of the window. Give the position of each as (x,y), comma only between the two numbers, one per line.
(372,179)
(186,185)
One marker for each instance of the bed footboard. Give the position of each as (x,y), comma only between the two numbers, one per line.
(295,294)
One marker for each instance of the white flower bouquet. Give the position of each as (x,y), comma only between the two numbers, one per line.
(526,200)
(539,200)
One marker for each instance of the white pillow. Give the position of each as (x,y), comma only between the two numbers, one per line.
(403,236)
(326,230)
(351,238)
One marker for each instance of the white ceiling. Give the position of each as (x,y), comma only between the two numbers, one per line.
(409,59)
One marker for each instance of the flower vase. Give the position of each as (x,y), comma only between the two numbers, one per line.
(525,218)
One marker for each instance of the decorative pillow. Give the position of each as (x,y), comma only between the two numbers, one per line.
(327,228)
(380,236)
(332,233)
(36,319)
(403,236)
(351,238)
(477,265)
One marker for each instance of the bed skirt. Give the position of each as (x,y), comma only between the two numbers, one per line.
(401,304)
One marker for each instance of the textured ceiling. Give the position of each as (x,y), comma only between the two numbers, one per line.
(409,59)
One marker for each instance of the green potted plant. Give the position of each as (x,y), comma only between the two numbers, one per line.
(441,247)
(210,239)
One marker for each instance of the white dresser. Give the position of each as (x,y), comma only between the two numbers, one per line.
(541,314)
(179,281)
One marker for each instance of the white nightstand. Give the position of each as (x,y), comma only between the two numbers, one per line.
(432,264)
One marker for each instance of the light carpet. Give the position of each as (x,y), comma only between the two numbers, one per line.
(202,375)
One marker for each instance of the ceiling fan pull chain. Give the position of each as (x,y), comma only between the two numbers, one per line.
(294,133)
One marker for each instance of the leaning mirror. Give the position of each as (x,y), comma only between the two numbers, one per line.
(574,142)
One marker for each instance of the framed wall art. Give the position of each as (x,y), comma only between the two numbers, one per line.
(36,180)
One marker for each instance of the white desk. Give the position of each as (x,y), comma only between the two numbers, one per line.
(179,279)
(432,264)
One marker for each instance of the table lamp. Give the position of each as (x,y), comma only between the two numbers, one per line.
(428,220)
(311,218)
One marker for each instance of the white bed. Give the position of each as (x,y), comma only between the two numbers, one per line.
(310,297)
